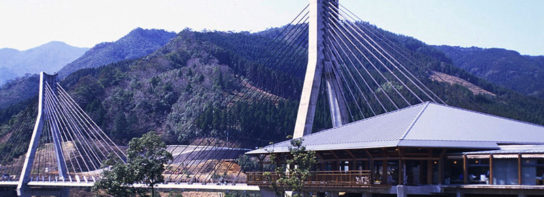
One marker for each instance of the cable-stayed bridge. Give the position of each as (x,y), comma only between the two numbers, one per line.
(360,71)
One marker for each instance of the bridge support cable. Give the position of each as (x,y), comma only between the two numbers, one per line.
(93,128)
(83,148)
(189,158)
(285,41)
(182,163)
(288,45)
(201,160)
(204,153)
(344,69)
(51,155)
(343,46)
(56,128)
(69,139)
(390,58)
(343,33)
(201,155)
(211,156)
(348,27)
(220,152)
(386,55)
(219,163)
(94,144)
(351,16)
(63,165)
(297,48)
(332,70)
(66,139)
(287,28)
(404,53)
(171,163)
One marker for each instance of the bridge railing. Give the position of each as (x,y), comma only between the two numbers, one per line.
(336,179)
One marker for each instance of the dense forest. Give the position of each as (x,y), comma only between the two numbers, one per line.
(524,74)
(218,84)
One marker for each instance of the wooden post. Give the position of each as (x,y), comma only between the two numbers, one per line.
(519,169)
(371,166)
(441,167)
(401,168)
(429,172)
(384,171)
(401,172)
(491,169)
(465,170)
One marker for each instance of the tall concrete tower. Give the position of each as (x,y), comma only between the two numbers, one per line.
(43,114)
(320,66)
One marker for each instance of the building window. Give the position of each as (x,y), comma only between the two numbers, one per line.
(478,171)
(453,172)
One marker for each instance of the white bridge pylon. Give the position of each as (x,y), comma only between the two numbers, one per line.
(320,65)
(364,72)
(66,144)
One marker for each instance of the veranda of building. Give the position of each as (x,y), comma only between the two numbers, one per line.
(424,149)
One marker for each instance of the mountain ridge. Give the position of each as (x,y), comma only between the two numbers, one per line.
(507,68)
(137,43)
(49,57)
(107,52)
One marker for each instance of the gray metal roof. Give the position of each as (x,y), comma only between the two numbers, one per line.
(423,125)
(511,149)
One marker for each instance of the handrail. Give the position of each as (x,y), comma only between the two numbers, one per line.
(353,178)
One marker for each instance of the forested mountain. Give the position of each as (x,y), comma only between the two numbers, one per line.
(506,68)
(218,84)
(49,57)
(19,89)
(138,43)
(6,74)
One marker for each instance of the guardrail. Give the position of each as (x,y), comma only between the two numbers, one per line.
(354,178)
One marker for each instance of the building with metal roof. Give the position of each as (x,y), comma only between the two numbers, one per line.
(424,149)
(424,125)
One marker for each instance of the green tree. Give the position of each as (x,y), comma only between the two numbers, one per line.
(247,164)
(120,126)
(146,160)
(300,162)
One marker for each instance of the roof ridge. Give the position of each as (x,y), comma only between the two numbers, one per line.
(372,117)
(357,121)
(488,114)
(414,121)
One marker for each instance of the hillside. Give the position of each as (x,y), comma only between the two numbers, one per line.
(49,57)
(506,68)
(138,43)
(19,89)
(217,84)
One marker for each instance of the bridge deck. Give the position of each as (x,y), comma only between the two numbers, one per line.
(8,183)
(185,186)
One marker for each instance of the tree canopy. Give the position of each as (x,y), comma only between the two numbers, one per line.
(146,160)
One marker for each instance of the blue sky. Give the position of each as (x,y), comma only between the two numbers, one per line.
(511,24)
